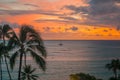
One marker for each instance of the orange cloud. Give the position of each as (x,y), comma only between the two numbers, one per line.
(55,21)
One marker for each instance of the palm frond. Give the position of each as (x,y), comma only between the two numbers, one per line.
(34,77)
(27,73)
(28,32)
(33,43)
(13,60)
(108,66)
(36,36)
(27,68)
(38,59)
(1,50)
(5,29)
(23,76)
(42,50)
(23,33)
(14,50)
(32,70)
(13,42)
(0,31)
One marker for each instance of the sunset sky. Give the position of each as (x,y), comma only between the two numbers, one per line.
(65,19)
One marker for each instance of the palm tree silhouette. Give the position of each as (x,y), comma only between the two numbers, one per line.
(28,73)
(28,41)
(5,32)
(114,66)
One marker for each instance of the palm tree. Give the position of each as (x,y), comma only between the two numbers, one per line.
(5,33)
(114,66)
(27,73)
(1,45)
(28,41)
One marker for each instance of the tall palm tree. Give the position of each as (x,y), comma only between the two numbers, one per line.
(114,66)
(28,73)
(1,45)
(5,33)
(28,41)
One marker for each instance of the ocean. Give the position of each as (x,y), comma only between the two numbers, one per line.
(86,56)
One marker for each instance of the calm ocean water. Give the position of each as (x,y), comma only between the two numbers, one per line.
(78,56)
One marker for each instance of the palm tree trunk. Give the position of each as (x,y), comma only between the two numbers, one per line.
(24,59)
(20,66)
(115,73)
(20,63)
(7,68)
(29,78)
(6,59)
(0,70)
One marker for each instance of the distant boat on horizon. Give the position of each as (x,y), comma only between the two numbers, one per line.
(60,43)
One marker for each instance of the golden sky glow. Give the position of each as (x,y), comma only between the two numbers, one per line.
(65,19)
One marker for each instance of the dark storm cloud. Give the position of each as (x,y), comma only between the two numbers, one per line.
(105,12)
(103,7)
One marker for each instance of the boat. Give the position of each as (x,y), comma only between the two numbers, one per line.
(60,44)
